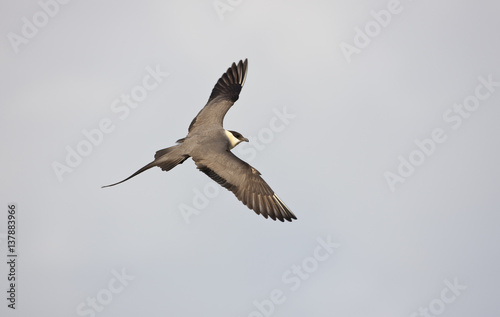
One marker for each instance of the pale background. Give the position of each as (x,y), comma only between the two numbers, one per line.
(352,122)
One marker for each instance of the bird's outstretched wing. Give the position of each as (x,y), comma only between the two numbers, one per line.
(245,182)
(223,96)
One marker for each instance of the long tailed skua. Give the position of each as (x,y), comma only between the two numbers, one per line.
(209,145)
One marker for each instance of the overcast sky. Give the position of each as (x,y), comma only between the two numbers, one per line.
(376,122)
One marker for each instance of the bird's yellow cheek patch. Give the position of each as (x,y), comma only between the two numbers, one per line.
(232,140)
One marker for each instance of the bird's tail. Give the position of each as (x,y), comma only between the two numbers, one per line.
(152,164)
(166,159)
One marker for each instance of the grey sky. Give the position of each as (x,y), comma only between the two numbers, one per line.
(375,121)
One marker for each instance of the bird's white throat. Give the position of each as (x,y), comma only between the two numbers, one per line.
(233,141)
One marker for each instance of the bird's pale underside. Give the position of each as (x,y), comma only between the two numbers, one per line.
(209,145)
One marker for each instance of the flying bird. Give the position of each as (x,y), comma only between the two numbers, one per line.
(209,145)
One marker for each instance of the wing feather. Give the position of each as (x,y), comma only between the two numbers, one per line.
(245,182)
(224,94)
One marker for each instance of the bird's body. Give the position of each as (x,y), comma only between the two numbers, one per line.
(209,145)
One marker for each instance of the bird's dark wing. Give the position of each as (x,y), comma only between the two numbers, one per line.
(245,182)
(223,96)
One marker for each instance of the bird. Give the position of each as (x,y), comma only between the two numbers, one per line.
(210,145)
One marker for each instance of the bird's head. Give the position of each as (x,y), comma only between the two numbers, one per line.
(235,138)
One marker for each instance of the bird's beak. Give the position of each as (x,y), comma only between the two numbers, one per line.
(245,139)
